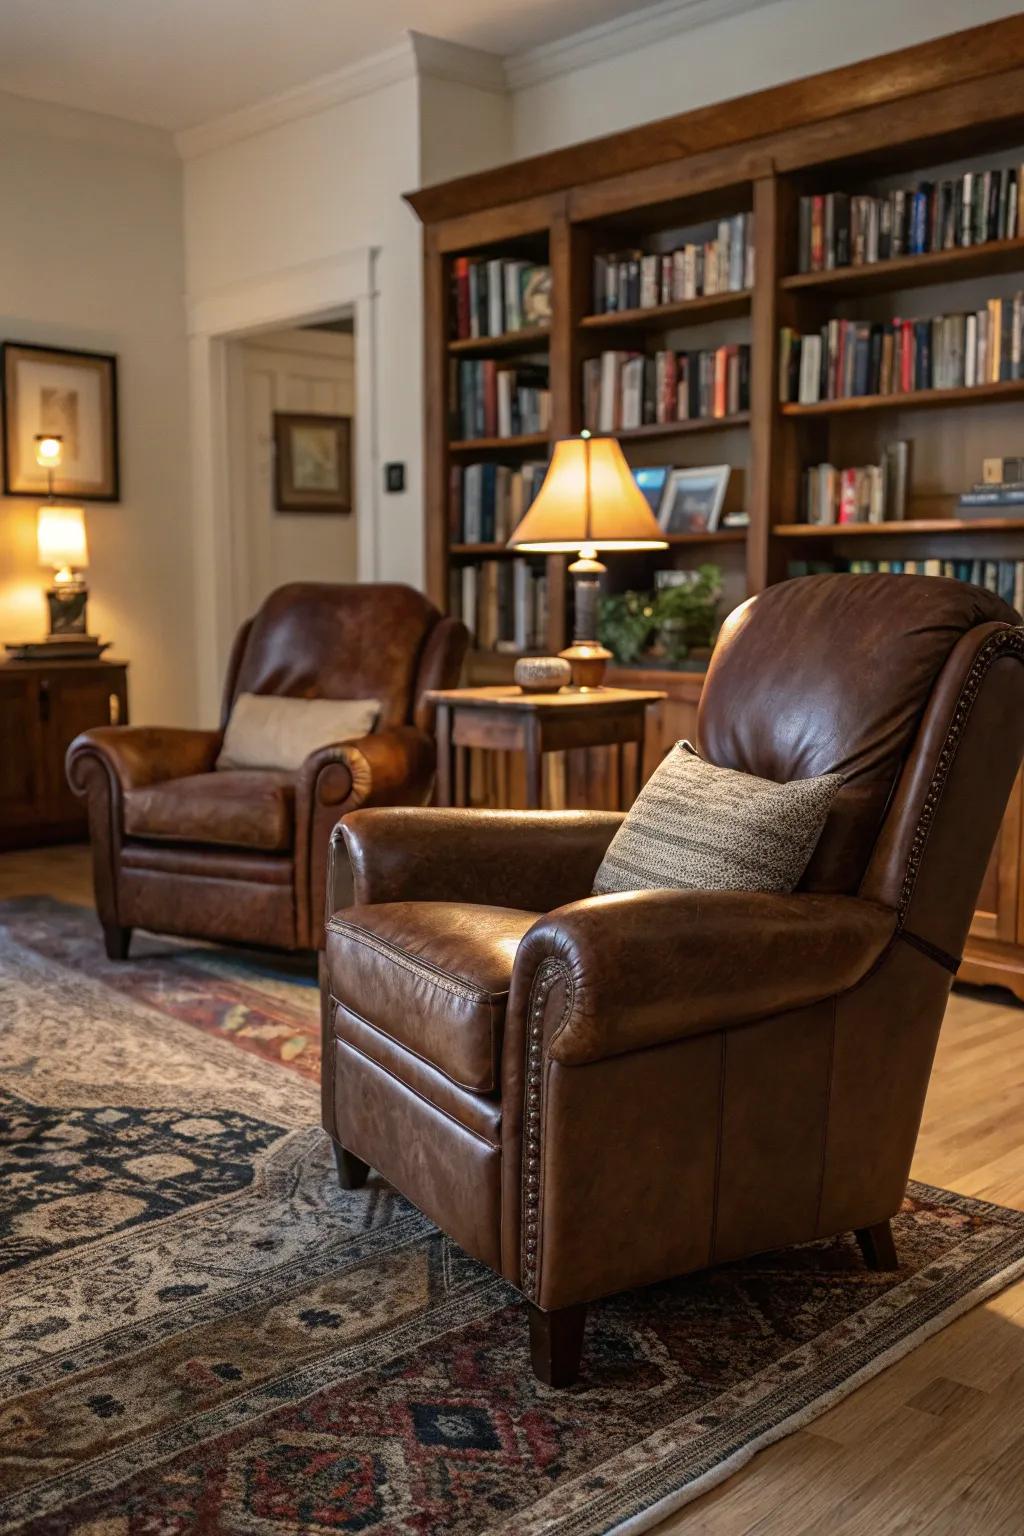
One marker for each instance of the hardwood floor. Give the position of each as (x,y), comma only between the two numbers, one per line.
(934,1446)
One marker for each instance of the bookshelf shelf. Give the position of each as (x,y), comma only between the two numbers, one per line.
(988,260)
(715,306)
(915,399)
(467,447)
(481,551)
(922,526)
(533,339)
(719,536)
(683,428)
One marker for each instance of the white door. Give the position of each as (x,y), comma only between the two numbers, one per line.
(292,370)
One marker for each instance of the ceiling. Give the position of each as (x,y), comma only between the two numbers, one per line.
(175,63)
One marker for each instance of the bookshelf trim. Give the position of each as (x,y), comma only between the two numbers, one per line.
(912,400)
(990,259)
(710,306)
(534,338)
(897,527)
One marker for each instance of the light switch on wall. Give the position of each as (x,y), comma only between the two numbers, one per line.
(394,477)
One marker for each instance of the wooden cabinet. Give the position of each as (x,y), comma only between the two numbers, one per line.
(994,954)
(43,707)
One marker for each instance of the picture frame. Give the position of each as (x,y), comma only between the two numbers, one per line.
(651,480)
(70,394)
(693,499)
(312,462)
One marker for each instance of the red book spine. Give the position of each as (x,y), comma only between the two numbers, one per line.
(818,234)
(907,357)
(462,297)
(721,373)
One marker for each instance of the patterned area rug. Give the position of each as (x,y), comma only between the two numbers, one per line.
(200,1333)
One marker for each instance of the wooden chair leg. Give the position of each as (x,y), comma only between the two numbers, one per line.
(352,1171)
(116,941)
(877,1246)
(556,1343)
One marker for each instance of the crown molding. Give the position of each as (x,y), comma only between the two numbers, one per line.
(464,66)
(416,55)
(53,120)
(624,34)
(353,80)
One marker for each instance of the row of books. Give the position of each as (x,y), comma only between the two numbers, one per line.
(837,230)
(503,603)
(500,400)
(1004,577)
(492,297)
(646,280)
(487,501)
(848,358)
(868,493)
(623,390)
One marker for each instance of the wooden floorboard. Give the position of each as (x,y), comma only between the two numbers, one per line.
(934,1446)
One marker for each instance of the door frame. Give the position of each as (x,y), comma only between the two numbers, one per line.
(298,295)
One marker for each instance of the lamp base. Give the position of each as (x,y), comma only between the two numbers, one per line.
(66,604)
(588,660)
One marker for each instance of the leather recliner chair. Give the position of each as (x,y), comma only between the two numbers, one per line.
(594,1093)
(241,855)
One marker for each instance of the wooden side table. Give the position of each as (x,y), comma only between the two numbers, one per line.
(505,720)
(43,706)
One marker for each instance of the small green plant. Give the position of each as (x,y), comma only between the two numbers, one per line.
(684,614)
(625,624)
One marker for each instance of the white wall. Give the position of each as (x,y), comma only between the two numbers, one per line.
(92,257)
(291,370)
(764,46)
(310,189)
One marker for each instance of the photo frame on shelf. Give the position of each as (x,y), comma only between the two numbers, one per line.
(312,462)
(693,499)
(60,392)
(651,479)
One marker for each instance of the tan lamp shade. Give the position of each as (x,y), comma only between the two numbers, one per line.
(589,500)
(60,536)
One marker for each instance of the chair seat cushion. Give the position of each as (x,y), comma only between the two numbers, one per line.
(433,975)
(243,809)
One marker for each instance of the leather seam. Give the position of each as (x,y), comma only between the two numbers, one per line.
(412,1051)
(446,979)
(931,951)
(493,1146)
(1009,640)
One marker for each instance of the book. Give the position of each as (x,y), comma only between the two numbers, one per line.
(494,295)
(637,279)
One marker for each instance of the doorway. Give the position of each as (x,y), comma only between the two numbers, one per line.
(307,370)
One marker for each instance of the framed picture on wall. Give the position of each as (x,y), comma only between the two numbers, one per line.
(61,393)
(313,462)
(693,499)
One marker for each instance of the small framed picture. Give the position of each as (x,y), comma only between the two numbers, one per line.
(313,462)
(54,392)
(651,479)
(693,499)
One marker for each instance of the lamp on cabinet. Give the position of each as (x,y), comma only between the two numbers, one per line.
(589,502)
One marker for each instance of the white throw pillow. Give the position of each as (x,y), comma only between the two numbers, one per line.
(265,731)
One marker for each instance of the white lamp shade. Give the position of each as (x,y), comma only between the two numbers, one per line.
(589,499)
(60,536)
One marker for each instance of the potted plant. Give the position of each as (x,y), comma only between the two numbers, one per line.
(685,612)
(625,624)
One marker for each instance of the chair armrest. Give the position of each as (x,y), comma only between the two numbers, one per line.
(137,755)
(530,859)
(383,768)
(647,967)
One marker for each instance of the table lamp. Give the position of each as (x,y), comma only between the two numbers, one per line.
(61,541)
(589,502)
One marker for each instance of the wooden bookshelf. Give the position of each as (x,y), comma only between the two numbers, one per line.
(953,102)
(663,317)
(991,259)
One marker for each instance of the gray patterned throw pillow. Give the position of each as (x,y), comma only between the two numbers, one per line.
(697,827)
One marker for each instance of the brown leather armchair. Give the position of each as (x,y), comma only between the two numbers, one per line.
(594,1093)
(241,855)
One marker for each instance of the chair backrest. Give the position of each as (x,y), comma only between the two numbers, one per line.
(314,640)
(910,686)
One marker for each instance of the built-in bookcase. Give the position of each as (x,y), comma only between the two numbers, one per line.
(931,114)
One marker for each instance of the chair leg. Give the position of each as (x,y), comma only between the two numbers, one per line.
(877,1246)
(352,1171)
(116,941)
(556,1343)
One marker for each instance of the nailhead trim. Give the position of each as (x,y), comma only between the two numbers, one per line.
(1006,641)
(545,980)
